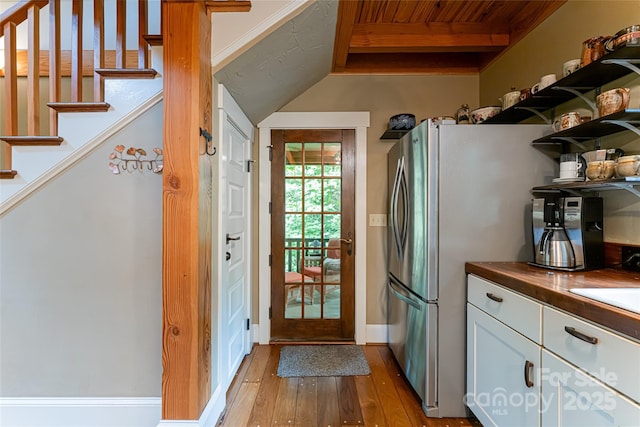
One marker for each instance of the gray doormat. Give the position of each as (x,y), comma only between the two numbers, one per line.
(322,361)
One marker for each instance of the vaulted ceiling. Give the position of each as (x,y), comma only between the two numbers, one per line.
(377,37)
(431,36)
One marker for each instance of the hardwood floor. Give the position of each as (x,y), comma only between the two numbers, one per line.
(259,398)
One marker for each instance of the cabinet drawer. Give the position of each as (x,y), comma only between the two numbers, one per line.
(571,398)
(520,313)
(612,358)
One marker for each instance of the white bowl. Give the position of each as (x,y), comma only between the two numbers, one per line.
(481,114)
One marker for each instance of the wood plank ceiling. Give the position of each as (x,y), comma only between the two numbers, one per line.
(431,36)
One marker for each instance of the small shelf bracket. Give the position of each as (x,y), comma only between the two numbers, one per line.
(536,112)
(580,95)
(627,63)
(572,141)
(631,188)
(629,125)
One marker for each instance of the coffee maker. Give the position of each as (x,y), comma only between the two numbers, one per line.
(567,233)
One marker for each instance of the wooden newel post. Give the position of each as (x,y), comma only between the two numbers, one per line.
(187,205)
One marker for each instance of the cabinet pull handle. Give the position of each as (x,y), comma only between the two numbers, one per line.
(528,368)
(586,338)
(493,297)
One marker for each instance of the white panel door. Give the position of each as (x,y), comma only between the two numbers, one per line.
(234,288)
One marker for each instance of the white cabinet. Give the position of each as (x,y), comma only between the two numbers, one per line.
(502,366)
(571,398)
(533,365)
(609,357)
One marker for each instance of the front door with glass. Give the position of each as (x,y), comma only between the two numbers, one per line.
(312,234)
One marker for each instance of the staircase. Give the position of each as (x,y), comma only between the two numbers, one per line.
(123,85)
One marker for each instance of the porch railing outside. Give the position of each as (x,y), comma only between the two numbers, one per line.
(294,249)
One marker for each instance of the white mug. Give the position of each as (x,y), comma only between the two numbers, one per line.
(547,80)
(570,67)
(510,99)
(535,88)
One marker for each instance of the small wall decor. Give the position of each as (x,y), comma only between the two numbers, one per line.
(119,163)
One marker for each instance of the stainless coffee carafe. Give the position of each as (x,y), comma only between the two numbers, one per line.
(567,233)
(554,249)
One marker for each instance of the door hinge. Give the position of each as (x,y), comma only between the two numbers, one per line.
(249,165)
(269,260)
(270,207)
(248,324)
(270,313)
(270,147)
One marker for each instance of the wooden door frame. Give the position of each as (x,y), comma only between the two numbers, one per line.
(358,120)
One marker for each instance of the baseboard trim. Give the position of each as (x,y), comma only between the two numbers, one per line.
(376,334)
(209,416)
(80,411)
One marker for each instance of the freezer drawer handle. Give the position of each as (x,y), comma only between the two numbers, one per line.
(586,338)
(493,297)
(528,368)
(404,298)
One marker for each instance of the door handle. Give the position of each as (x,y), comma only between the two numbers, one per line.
(229,239)
(349,242)
(528,368)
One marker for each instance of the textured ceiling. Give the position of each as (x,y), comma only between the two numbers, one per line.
(284,64)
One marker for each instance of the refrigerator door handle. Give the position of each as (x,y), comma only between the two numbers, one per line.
(394,207)
(400,296)
(405,207)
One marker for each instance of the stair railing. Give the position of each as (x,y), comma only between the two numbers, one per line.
(75,63)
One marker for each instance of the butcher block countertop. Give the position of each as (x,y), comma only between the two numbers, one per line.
(552,287)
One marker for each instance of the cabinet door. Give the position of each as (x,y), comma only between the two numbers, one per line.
(502,373)
(570,398)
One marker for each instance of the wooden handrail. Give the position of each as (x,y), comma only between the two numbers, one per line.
(18,13)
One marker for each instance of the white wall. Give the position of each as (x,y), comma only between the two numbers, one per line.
(81,280)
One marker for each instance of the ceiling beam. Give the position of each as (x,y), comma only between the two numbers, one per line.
(347,13)
(425,38)
(412,63)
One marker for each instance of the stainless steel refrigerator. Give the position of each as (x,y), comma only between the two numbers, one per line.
(457,193)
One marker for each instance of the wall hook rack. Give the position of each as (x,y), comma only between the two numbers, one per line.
(135,162)
(207,140)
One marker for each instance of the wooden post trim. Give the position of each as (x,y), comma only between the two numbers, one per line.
(186,218)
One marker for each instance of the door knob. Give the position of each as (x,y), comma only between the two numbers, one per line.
(229,239)
(349,242)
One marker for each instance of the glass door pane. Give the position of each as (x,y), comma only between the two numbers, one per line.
(312,230)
